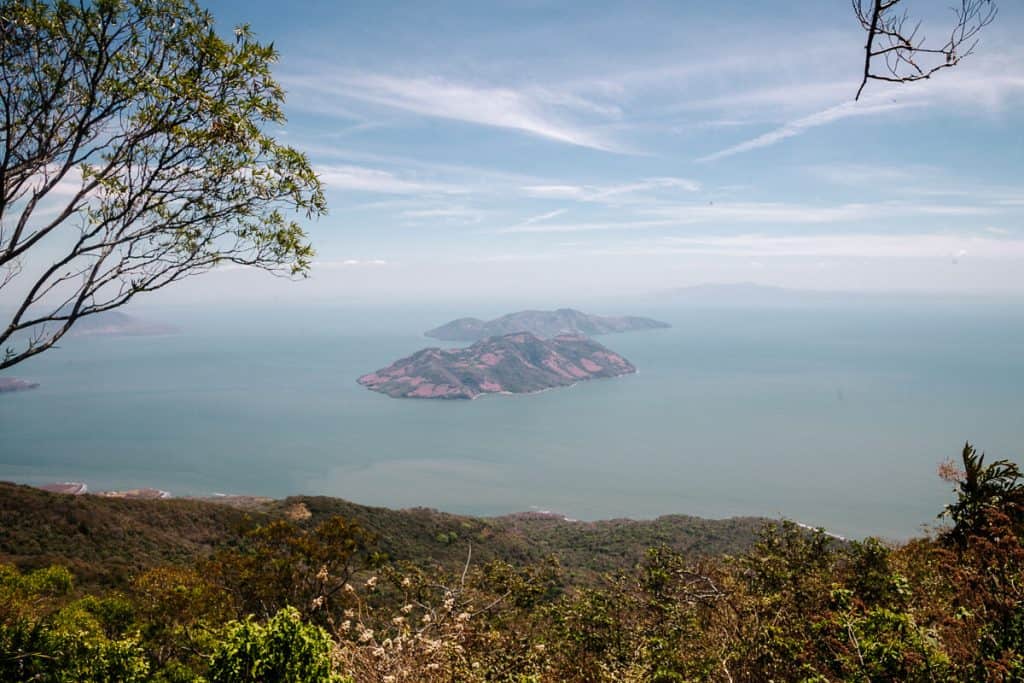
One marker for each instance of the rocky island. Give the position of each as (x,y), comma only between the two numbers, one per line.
(10,384)
(545,324)
(517,363)
(117,324)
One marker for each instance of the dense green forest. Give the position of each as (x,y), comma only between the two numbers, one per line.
(318,589)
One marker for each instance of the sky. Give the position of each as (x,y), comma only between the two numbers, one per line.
(556,149)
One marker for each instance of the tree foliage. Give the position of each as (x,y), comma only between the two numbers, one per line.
(45,638)
(284,650)
(282,565)
(984,492)
(134,152)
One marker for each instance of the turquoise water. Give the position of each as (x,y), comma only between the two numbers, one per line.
(830,415)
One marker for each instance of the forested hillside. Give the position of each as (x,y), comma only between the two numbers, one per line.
(317,589)
(105,540)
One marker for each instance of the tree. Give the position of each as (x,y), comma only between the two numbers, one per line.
(284,650)
(281,565)
(983,490)
(898,52)
(44,638)
(178,612)
(134,152)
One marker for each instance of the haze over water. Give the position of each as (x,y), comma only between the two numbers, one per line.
(833,414)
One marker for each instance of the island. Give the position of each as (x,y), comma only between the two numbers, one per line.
(117,324)
(545,324)
(10,384)
(517,363)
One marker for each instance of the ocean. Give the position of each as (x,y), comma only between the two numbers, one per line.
(830,414)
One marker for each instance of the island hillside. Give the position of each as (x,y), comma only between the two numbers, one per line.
(117,324)
(545,324)
(11,384)
(514,363)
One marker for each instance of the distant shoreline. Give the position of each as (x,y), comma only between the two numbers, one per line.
(73,488)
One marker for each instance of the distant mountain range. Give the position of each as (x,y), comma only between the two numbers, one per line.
(546,324)
(514,363)
(752,295)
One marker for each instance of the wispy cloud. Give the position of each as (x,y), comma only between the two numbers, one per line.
(986,83)
(460,213)
(350,263)
(760,249)
(706,67)
(362,179)
(438,168)
(781,213)
(936,246)
(618,193)
(587,226)
(544,217)
(783,97)
(856,174)
(429,214)
(793,128)
(539,112)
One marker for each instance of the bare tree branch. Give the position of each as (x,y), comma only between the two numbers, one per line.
(897,52)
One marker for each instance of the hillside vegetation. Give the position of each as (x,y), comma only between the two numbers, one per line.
(316,589)
(106,540)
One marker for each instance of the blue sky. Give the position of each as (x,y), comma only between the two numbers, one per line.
(553,148)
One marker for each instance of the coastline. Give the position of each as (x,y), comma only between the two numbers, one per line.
(246,501)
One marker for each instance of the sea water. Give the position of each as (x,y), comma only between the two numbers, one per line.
(831,415)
